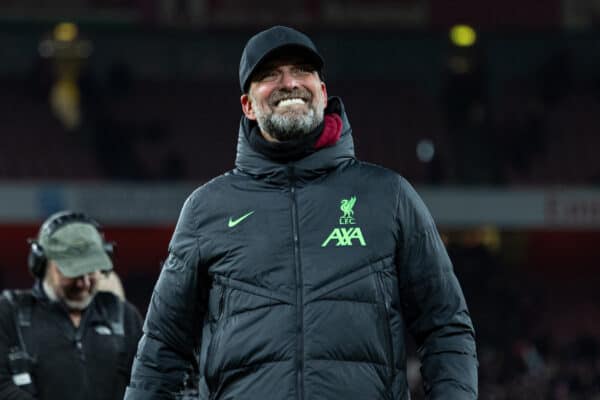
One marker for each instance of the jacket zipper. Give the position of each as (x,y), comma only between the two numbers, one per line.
(386,327)
(79,332)
(78,341)
(299,289)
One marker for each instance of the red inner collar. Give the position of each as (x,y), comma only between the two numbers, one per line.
(332,131)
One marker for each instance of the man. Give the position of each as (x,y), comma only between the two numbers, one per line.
(294,275)
(63,339)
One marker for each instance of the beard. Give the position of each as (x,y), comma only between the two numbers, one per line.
(79,305)
(291,123)
(71,304)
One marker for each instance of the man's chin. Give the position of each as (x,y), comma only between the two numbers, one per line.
(79,304)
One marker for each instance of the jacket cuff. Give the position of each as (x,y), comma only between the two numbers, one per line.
(451,391)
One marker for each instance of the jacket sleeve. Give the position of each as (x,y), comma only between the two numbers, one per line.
(8,390)
(133,324)
(172,329)
(433,304)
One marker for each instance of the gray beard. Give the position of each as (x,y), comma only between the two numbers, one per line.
(71,304)
(289,125)
(80,304)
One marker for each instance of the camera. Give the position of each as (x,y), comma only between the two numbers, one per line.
(21,366)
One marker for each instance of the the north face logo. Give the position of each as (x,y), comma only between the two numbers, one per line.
(345,236)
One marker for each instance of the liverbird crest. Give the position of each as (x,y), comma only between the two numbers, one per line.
(347,207)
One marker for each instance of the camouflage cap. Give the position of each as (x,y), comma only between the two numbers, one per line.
(77,248)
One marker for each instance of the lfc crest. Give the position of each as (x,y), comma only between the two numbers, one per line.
(344,236)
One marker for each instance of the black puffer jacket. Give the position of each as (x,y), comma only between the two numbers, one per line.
(302,278)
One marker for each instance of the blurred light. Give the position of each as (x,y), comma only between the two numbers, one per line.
(491,238)
(425,150)
(463,35)
(65,32)
(65,102)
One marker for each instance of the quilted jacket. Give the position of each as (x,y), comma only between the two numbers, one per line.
(299,280)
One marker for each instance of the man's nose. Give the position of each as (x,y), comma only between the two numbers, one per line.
(83,281)
(289,80)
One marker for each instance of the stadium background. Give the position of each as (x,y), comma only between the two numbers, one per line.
(120,108)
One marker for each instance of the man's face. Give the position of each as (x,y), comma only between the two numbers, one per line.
(76,293)
(286,97)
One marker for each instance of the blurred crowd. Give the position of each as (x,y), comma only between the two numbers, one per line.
(540,128)
(533,132)
(521,356)
(541,369)
(534,370)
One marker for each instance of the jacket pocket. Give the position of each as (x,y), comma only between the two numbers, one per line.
(217,307)
(384,301)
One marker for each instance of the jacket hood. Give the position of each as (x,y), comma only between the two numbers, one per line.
(252,162)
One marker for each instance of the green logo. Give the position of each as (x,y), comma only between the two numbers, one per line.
(234,222)
(347,205)
(344,236)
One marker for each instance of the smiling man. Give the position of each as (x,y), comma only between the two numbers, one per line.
(286,97)
(295,275)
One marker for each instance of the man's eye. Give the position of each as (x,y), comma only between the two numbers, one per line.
(305,68)
(267,75)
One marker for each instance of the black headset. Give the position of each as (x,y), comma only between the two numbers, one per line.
(36,260)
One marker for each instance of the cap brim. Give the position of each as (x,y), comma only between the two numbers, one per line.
(295,48)
(72,267)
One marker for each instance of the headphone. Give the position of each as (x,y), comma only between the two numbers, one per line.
(37,260)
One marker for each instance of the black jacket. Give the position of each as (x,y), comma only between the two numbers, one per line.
(92,362)
(296,281)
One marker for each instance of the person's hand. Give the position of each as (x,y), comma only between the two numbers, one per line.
(110,282)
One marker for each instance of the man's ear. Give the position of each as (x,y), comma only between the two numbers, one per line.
(247,107)
(324,91)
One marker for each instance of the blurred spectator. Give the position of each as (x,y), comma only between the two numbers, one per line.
(64,339)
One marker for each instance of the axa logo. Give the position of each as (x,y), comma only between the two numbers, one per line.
(346,235)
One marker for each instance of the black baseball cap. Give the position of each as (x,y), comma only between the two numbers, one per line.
(266,42)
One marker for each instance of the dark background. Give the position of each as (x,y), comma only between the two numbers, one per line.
(147,93)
